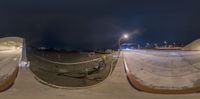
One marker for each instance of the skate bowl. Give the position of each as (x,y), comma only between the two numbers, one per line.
(163,72)
(10,54)
(71,75)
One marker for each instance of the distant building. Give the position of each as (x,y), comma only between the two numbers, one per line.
(130,46)
(42,48)
(108,51)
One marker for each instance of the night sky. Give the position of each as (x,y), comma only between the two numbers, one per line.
(89,24)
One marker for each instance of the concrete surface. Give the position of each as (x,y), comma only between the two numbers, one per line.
(195,45)
(9,60)
(115,87)
(171,70)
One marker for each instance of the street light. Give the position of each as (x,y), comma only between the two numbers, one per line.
(125,36)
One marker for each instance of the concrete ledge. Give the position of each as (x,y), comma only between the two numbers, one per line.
(137,85)
(7,83)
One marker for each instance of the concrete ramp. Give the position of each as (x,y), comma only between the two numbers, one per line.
(194,46)
(10,52)
(169,72)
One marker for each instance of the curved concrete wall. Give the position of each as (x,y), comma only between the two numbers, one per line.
(10,69)
(195,46)
(137,85)
(17,39)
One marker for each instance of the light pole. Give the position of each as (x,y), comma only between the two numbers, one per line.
(125,36)
(165,42)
